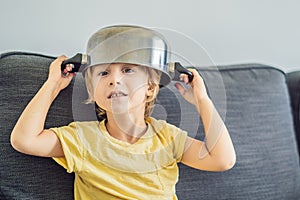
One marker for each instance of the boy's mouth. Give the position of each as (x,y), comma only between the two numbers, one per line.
(116,94)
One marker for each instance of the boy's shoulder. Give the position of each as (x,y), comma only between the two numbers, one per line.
(82,125)
(162,126)
(156,122)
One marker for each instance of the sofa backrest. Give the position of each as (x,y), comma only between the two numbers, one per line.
(258,117)
(293,81)
(22,176)
(252,99)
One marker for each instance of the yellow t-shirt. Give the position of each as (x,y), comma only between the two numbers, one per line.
(108,168)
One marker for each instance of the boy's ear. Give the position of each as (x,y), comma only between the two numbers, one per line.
(150,90)
(90,92)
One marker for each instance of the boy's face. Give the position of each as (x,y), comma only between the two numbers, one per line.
(121,88)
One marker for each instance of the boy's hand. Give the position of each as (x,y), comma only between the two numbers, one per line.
(197,92)
(55,75)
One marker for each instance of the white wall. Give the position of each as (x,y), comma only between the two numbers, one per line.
(228,31)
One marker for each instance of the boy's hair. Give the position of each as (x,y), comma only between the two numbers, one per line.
(153,82)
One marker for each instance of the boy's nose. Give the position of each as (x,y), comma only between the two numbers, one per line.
(114,83)
(115,79)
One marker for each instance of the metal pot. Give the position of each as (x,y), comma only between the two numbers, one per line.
(133,45)
(130,44)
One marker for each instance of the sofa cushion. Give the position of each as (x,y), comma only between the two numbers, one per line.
(252,99)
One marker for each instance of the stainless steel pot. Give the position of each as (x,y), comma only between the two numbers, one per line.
(129,44)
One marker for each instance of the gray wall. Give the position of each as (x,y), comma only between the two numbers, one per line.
(201,32)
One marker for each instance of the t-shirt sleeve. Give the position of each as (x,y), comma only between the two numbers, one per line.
(72,148)
(179,143)
(173,135)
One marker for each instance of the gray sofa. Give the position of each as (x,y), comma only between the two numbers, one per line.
(253,99)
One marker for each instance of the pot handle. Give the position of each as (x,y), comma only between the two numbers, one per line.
(176,69)
(75,62)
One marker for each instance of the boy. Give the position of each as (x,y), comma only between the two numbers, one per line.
(128,154)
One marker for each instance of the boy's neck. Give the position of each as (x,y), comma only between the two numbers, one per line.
(125,127)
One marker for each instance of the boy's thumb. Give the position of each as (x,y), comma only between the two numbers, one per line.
(180,88)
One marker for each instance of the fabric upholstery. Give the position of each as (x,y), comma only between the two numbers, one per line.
(293,81)
(259,120)
(28,177)
(253,100)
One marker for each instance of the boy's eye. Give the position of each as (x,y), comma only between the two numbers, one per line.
(128,70)
(103,73)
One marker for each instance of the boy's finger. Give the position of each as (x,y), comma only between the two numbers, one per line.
(61,58)
(184,78)
(180,88)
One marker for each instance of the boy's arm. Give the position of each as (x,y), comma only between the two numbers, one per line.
(29,135)
(217,152)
